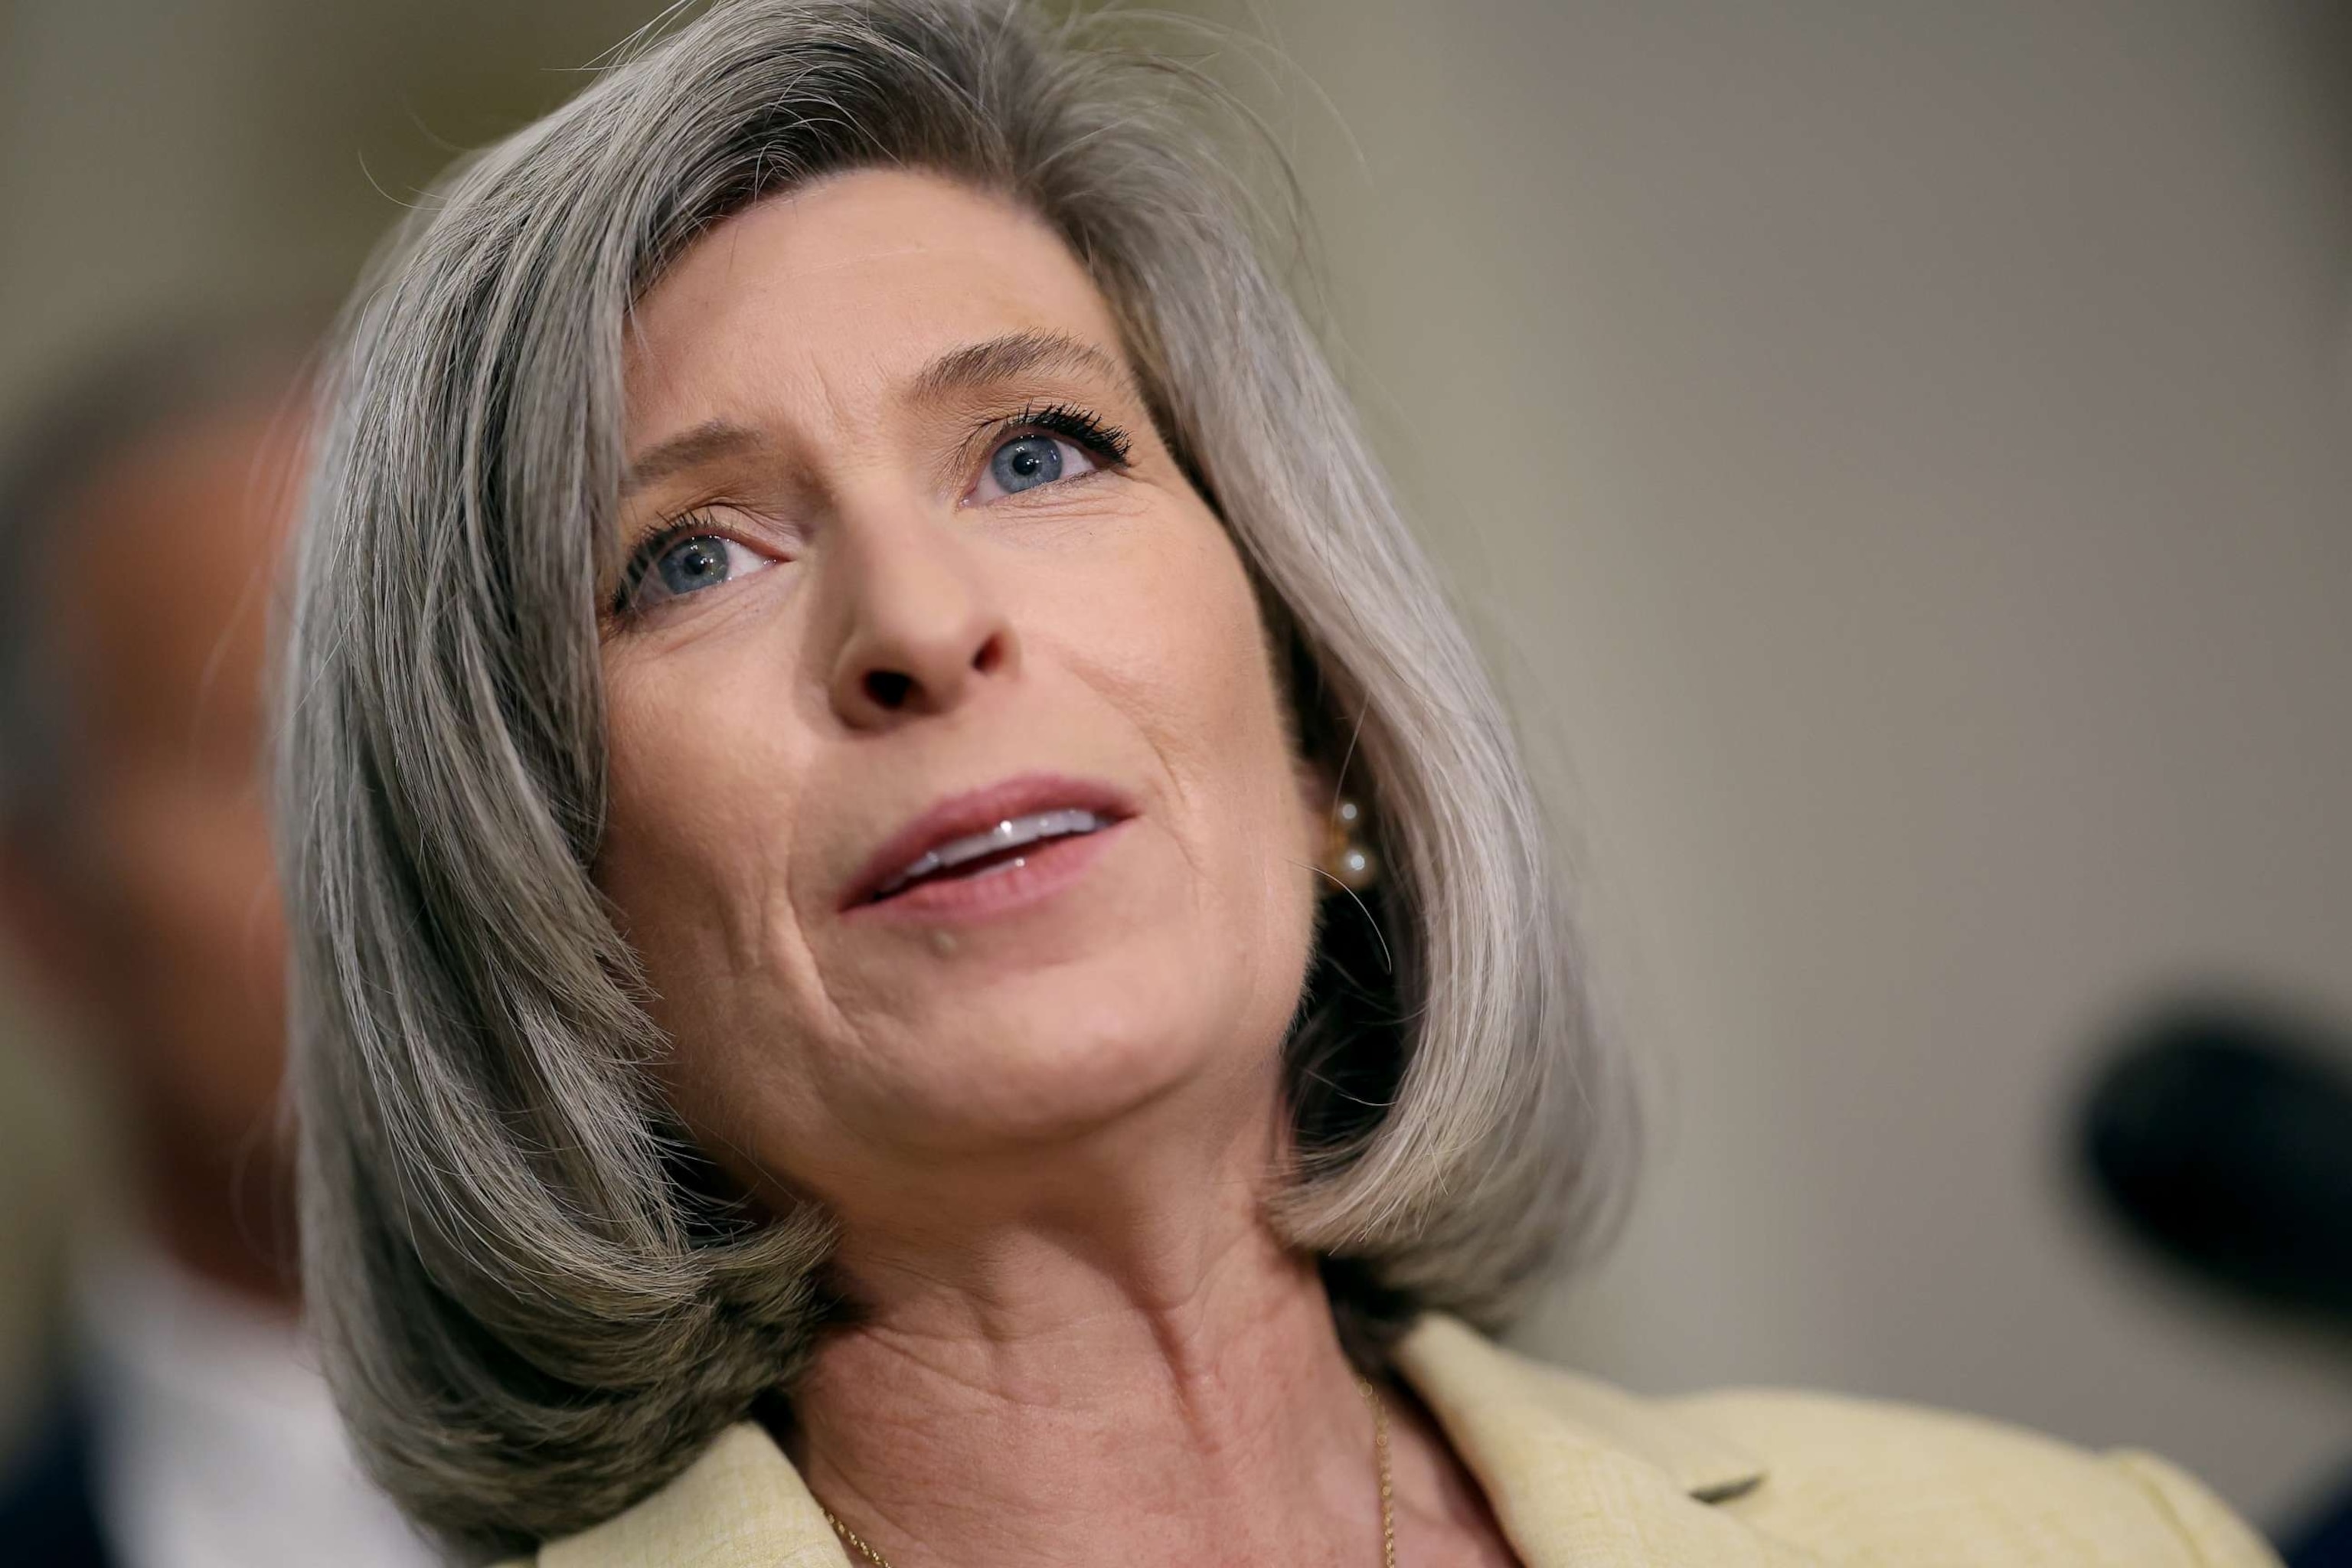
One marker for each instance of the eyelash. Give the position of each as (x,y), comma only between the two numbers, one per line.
(651,549)
(1098,435)
(1071,423)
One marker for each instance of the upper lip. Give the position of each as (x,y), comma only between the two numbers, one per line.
(976,811)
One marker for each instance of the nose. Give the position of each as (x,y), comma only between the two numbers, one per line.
(922,630)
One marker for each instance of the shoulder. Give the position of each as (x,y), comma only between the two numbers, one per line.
(1886,1481)
(1776,1476)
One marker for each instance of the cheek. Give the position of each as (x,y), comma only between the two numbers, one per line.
(701,802)
(1194,669)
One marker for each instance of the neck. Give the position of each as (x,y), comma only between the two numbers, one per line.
(1149,1377)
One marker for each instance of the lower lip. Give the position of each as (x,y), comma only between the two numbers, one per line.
(1044,869)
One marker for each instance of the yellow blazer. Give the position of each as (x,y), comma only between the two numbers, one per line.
(1582,1474)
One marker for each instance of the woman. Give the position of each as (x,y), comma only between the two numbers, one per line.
(843,1011)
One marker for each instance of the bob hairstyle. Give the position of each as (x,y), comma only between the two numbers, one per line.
(536,1301)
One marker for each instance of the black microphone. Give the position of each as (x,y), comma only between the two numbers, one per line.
(2221,1133)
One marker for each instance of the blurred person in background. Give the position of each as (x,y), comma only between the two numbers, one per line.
(142,507)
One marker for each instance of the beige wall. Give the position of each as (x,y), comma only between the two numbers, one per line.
(153,152)
(1899,451)
(1908,452)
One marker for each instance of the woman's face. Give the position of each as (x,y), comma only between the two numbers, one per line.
(909,560)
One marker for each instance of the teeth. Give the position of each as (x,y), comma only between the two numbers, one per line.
(1008,833)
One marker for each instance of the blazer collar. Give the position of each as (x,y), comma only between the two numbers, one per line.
(1546,1446)
(1486,1398)
(1578,1472)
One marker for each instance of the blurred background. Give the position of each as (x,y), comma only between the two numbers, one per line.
(1900,457)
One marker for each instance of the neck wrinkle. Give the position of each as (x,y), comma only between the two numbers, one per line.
(1170,1388)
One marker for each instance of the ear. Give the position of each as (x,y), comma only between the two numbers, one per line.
(41,928)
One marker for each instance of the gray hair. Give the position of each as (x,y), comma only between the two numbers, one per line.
(537,1302)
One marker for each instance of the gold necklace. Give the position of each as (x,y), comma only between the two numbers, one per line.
(1379,1452)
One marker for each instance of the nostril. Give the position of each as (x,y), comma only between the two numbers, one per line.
(988,656)
(889,688)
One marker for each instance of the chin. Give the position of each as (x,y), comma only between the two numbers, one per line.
(1055,1055)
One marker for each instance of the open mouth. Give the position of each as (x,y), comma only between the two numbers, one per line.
(1000,848)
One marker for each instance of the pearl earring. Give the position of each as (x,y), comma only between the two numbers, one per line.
(1347,861)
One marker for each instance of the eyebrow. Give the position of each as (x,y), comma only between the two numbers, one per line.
(1015,354)
(710,440)
(966,369)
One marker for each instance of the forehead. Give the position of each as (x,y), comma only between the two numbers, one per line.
(824,298)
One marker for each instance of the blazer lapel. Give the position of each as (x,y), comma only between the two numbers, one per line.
(740,1505)
(1580,1474)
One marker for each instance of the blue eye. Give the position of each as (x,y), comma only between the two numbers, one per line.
(674,568)
(1028,461)
(1044,445)
(692,563)
(1021,463)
